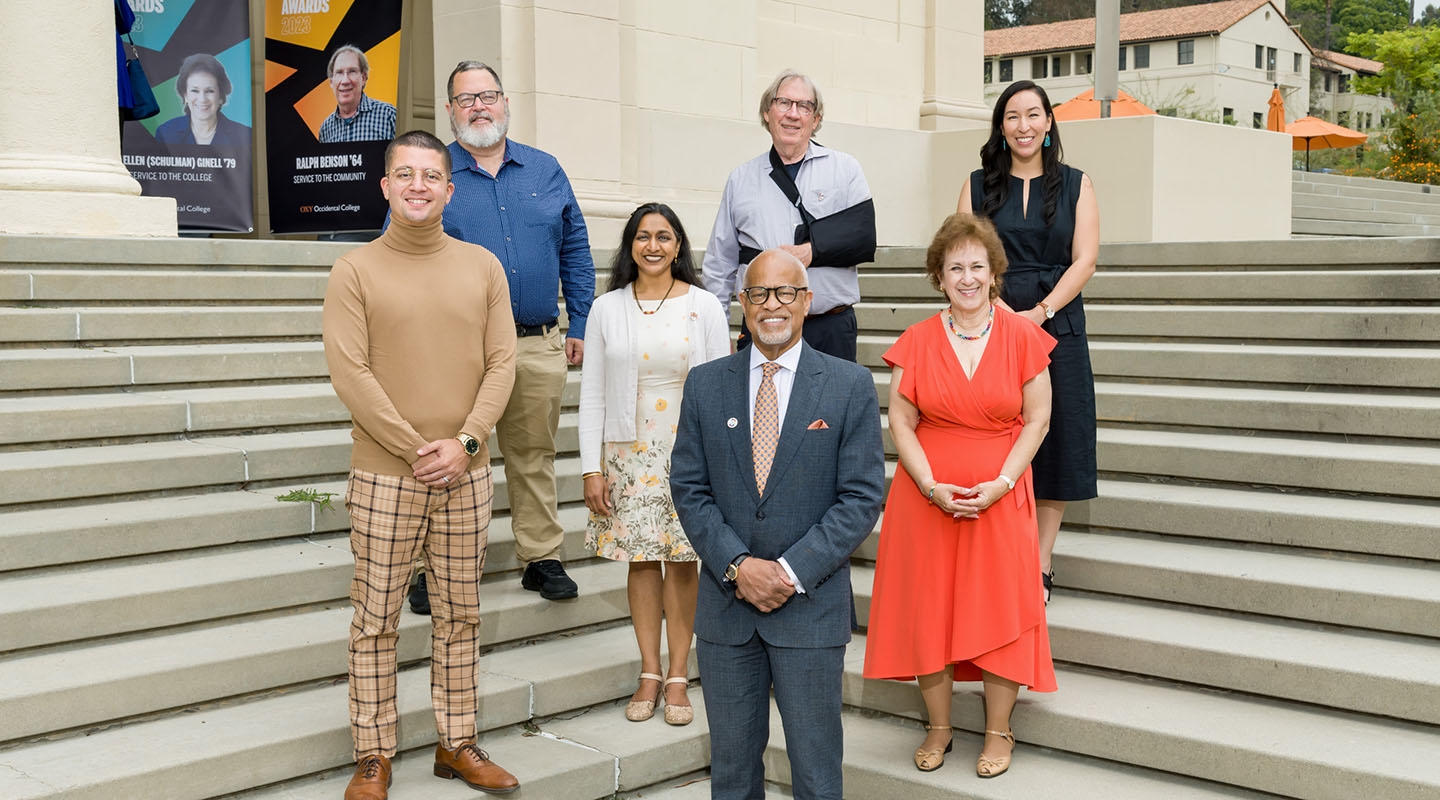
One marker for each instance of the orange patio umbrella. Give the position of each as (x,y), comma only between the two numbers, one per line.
(1313,133)
(1275,120)
(1085,106)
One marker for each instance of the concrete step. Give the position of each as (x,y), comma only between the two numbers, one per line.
(1310,255)
(1392,596)
(159,285)
(1367,285)
(1385,527)
(1331,227)
(1307,366)
(1411,470)
(1341,413)
(1266,745)
(73,417)
(132,323)
(1321,210)
(146,365)
(46,475)
(1379,190)
(1379,674)
(63,688)
(1332,179)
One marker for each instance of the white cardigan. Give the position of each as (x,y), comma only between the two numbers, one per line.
(610,374)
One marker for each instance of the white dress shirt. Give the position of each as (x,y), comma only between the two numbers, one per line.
(784,380)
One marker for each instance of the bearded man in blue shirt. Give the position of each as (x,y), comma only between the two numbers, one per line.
(516,202)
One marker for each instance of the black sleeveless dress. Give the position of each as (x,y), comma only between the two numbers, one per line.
(1064,466)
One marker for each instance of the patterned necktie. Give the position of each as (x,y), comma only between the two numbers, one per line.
(766,430)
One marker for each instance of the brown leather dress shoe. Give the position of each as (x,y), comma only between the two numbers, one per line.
(371,780)
(473,766)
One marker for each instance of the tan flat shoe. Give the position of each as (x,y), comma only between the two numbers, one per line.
(679,715)
(994,767)
(641,710)
(931,760)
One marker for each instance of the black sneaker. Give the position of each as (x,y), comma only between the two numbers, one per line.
(549,579)
(419,597)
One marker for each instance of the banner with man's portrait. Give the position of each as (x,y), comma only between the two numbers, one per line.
(198,149)
(332,76)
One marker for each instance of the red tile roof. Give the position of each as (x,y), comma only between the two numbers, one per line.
(1362,65)
(1141,26)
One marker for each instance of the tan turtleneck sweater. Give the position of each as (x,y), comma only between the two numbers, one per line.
(420,342)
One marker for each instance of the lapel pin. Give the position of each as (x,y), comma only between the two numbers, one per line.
(732,422)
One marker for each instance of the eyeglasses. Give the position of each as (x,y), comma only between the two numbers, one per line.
(432,177)
(760,295)
(467,100)
(802,107)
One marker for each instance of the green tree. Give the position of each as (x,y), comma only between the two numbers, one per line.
(1412,79)
(1346,17)
(1430,16)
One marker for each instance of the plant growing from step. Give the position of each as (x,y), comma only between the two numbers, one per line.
(312,496)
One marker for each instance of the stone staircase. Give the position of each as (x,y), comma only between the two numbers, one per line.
(1337,205)
(1249,610)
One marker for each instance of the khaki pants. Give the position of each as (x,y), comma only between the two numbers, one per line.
(393,519)
(527,442)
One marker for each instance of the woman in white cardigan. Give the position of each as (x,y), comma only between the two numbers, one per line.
(643,335)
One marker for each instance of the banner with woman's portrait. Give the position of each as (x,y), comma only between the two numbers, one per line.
(332,76)
(198,148)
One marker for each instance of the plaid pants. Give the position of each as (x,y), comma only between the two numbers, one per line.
(393,519)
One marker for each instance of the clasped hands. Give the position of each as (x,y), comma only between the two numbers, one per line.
(763,583)
(440,462)
(966,502)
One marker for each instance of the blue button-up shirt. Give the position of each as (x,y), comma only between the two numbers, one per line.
(527,216)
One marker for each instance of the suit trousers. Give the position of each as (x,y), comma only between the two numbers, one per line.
(736,683)
(393,519)
(526,433)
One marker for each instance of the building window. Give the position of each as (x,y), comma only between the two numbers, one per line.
(1060,66)
(1185,51)
(1227,116)
(1344,83)
(1259,56)
(1270,64)
(1007,70)
(1297,64)
(1142,56)
(1084,63)
(1122,58)
(1257,120)
(1037,68)
(989,71)
(1369,120)
(1327,81)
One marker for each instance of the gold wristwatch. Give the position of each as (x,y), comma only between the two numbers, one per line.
(471,444)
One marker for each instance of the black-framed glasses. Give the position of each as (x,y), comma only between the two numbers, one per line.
(405,175)
(467,99)
(802,107)
(760,295)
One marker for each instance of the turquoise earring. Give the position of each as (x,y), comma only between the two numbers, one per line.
(1004,145)
(1047,140)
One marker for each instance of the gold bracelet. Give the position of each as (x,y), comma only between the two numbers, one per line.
(585,475)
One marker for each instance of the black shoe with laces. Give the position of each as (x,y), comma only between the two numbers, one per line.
(420,597)
(549,579)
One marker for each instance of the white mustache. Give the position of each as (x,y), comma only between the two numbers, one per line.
(485,115)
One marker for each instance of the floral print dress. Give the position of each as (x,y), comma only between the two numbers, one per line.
(643,525)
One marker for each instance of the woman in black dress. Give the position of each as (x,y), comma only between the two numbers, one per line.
(1049,222)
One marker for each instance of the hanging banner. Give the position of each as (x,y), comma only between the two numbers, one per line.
(332,73)
(198,148)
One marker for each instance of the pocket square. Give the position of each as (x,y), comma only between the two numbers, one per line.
(818,425)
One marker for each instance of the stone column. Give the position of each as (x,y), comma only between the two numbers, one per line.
(954,96)
(60,170)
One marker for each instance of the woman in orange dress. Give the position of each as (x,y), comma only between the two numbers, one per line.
(955,595)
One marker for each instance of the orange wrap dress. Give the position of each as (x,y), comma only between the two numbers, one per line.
(962,592)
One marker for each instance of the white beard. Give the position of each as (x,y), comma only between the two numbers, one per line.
(481,138)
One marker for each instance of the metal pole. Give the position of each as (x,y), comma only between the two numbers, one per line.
(1107,53)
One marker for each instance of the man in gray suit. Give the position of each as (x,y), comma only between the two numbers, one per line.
(777,474)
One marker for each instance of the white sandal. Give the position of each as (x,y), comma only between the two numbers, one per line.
(641,710)
(678,715)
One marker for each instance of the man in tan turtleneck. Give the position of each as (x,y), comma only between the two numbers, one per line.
(421,346)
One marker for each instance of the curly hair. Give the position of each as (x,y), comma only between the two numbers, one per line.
(959,229)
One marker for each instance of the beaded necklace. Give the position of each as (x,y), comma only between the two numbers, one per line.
(950,321)
(656,310)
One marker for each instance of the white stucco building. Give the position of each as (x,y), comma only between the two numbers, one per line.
(1217,61)
(1332,91)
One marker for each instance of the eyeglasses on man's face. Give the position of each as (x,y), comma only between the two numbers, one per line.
(467,99)
(431,177)
(759,295)
(802,107)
